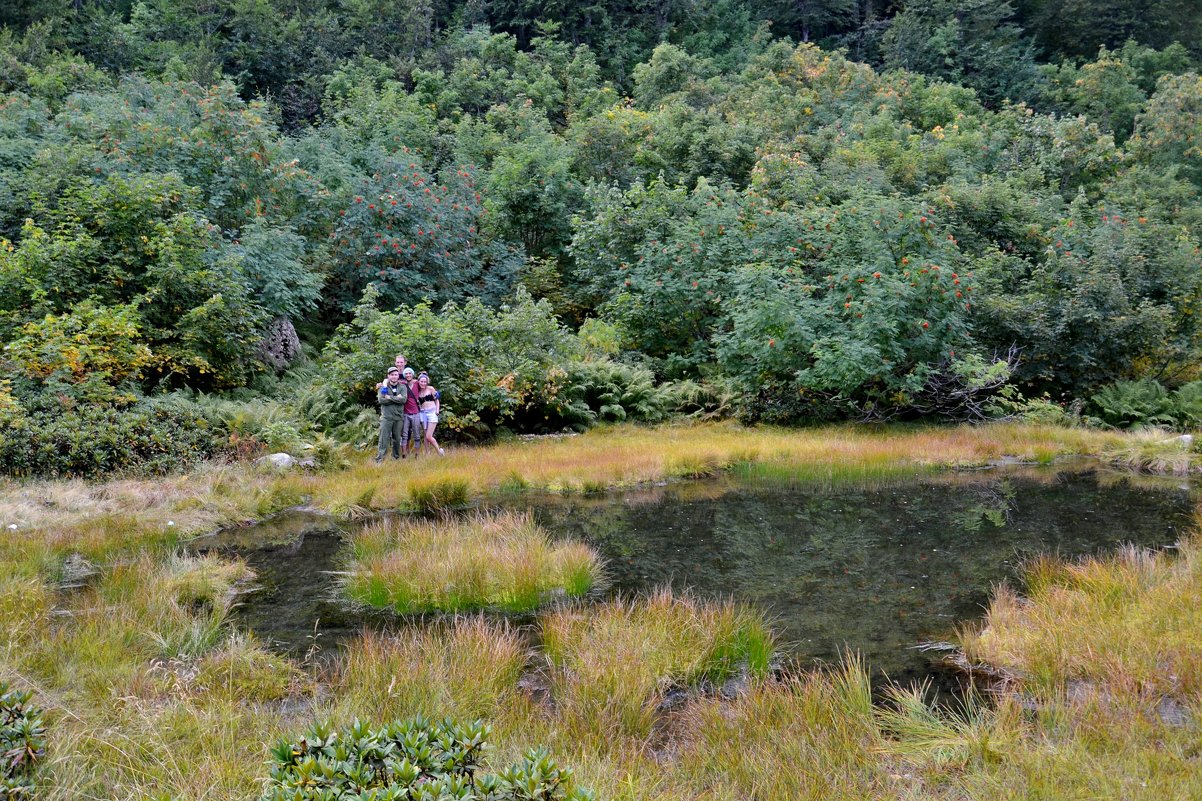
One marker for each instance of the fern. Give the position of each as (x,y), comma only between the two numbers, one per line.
(1131,403)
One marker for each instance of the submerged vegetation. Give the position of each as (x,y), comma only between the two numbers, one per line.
(491,561)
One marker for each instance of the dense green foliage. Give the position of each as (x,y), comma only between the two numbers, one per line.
(151,436)
(415,759)
(633,211)
(22,742)
(1134,403)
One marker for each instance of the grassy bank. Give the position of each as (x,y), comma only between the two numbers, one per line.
(1129,623)
(151,693)
(629,455)
(130,513)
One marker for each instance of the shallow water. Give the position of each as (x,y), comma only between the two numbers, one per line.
(875,568)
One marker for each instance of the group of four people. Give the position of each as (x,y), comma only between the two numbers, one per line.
(409,407)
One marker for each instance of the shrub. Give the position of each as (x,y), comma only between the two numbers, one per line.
(125,276)
(490,365)
(153,436)
(411,231)
(703,399)
(415,759)
(1187,403)
(89,350)
(873,308)
(22,742)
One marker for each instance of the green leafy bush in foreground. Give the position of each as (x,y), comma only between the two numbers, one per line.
(414,760)
(22,742)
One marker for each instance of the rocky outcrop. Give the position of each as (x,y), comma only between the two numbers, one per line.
(280,345)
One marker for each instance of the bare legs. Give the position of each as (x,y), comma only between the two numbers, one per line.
(430,441)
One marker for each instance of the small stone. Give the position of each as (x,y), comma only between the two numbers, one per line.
(734,687)
(77,570)
(171,522)
(1173,712)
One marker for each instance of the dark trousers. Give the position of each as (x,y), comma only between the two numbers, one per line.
(412,430)
(390,436)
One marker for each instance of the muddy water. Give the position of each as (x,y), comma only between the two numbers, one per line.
(876,568)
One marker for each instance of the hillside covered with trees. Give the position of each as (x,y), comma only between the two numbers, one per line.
(219,219)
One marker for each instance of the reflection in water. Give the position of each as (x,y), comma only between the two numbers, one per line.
(874,569)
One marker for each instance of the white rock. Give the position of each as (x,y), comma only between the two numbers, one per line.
(281,460)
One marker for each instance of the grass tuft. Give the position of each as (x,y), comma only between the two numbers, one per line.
(1130,620)
(613,663)
(502,561)
(979,734)
(438,494)
(806,736)
(1153,451)
(466,669)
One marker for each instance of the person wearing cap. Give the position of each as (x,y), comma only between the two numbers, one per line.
(392,395)
(412,430)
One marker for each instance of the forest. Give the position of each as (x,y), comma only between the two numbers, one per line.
(220,219)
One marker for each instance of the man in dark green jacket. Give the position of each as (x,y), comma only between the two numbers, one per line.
(391,397)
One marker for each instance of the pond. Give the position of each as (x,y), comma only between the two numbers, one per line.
(877,568)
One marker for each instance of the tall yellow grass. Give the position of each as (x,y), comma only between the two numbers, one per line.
(466,669)
(613,662)
(1131,620)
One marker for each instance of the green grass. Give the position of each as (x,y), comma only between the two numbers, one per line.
(494,561)
(438,494)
